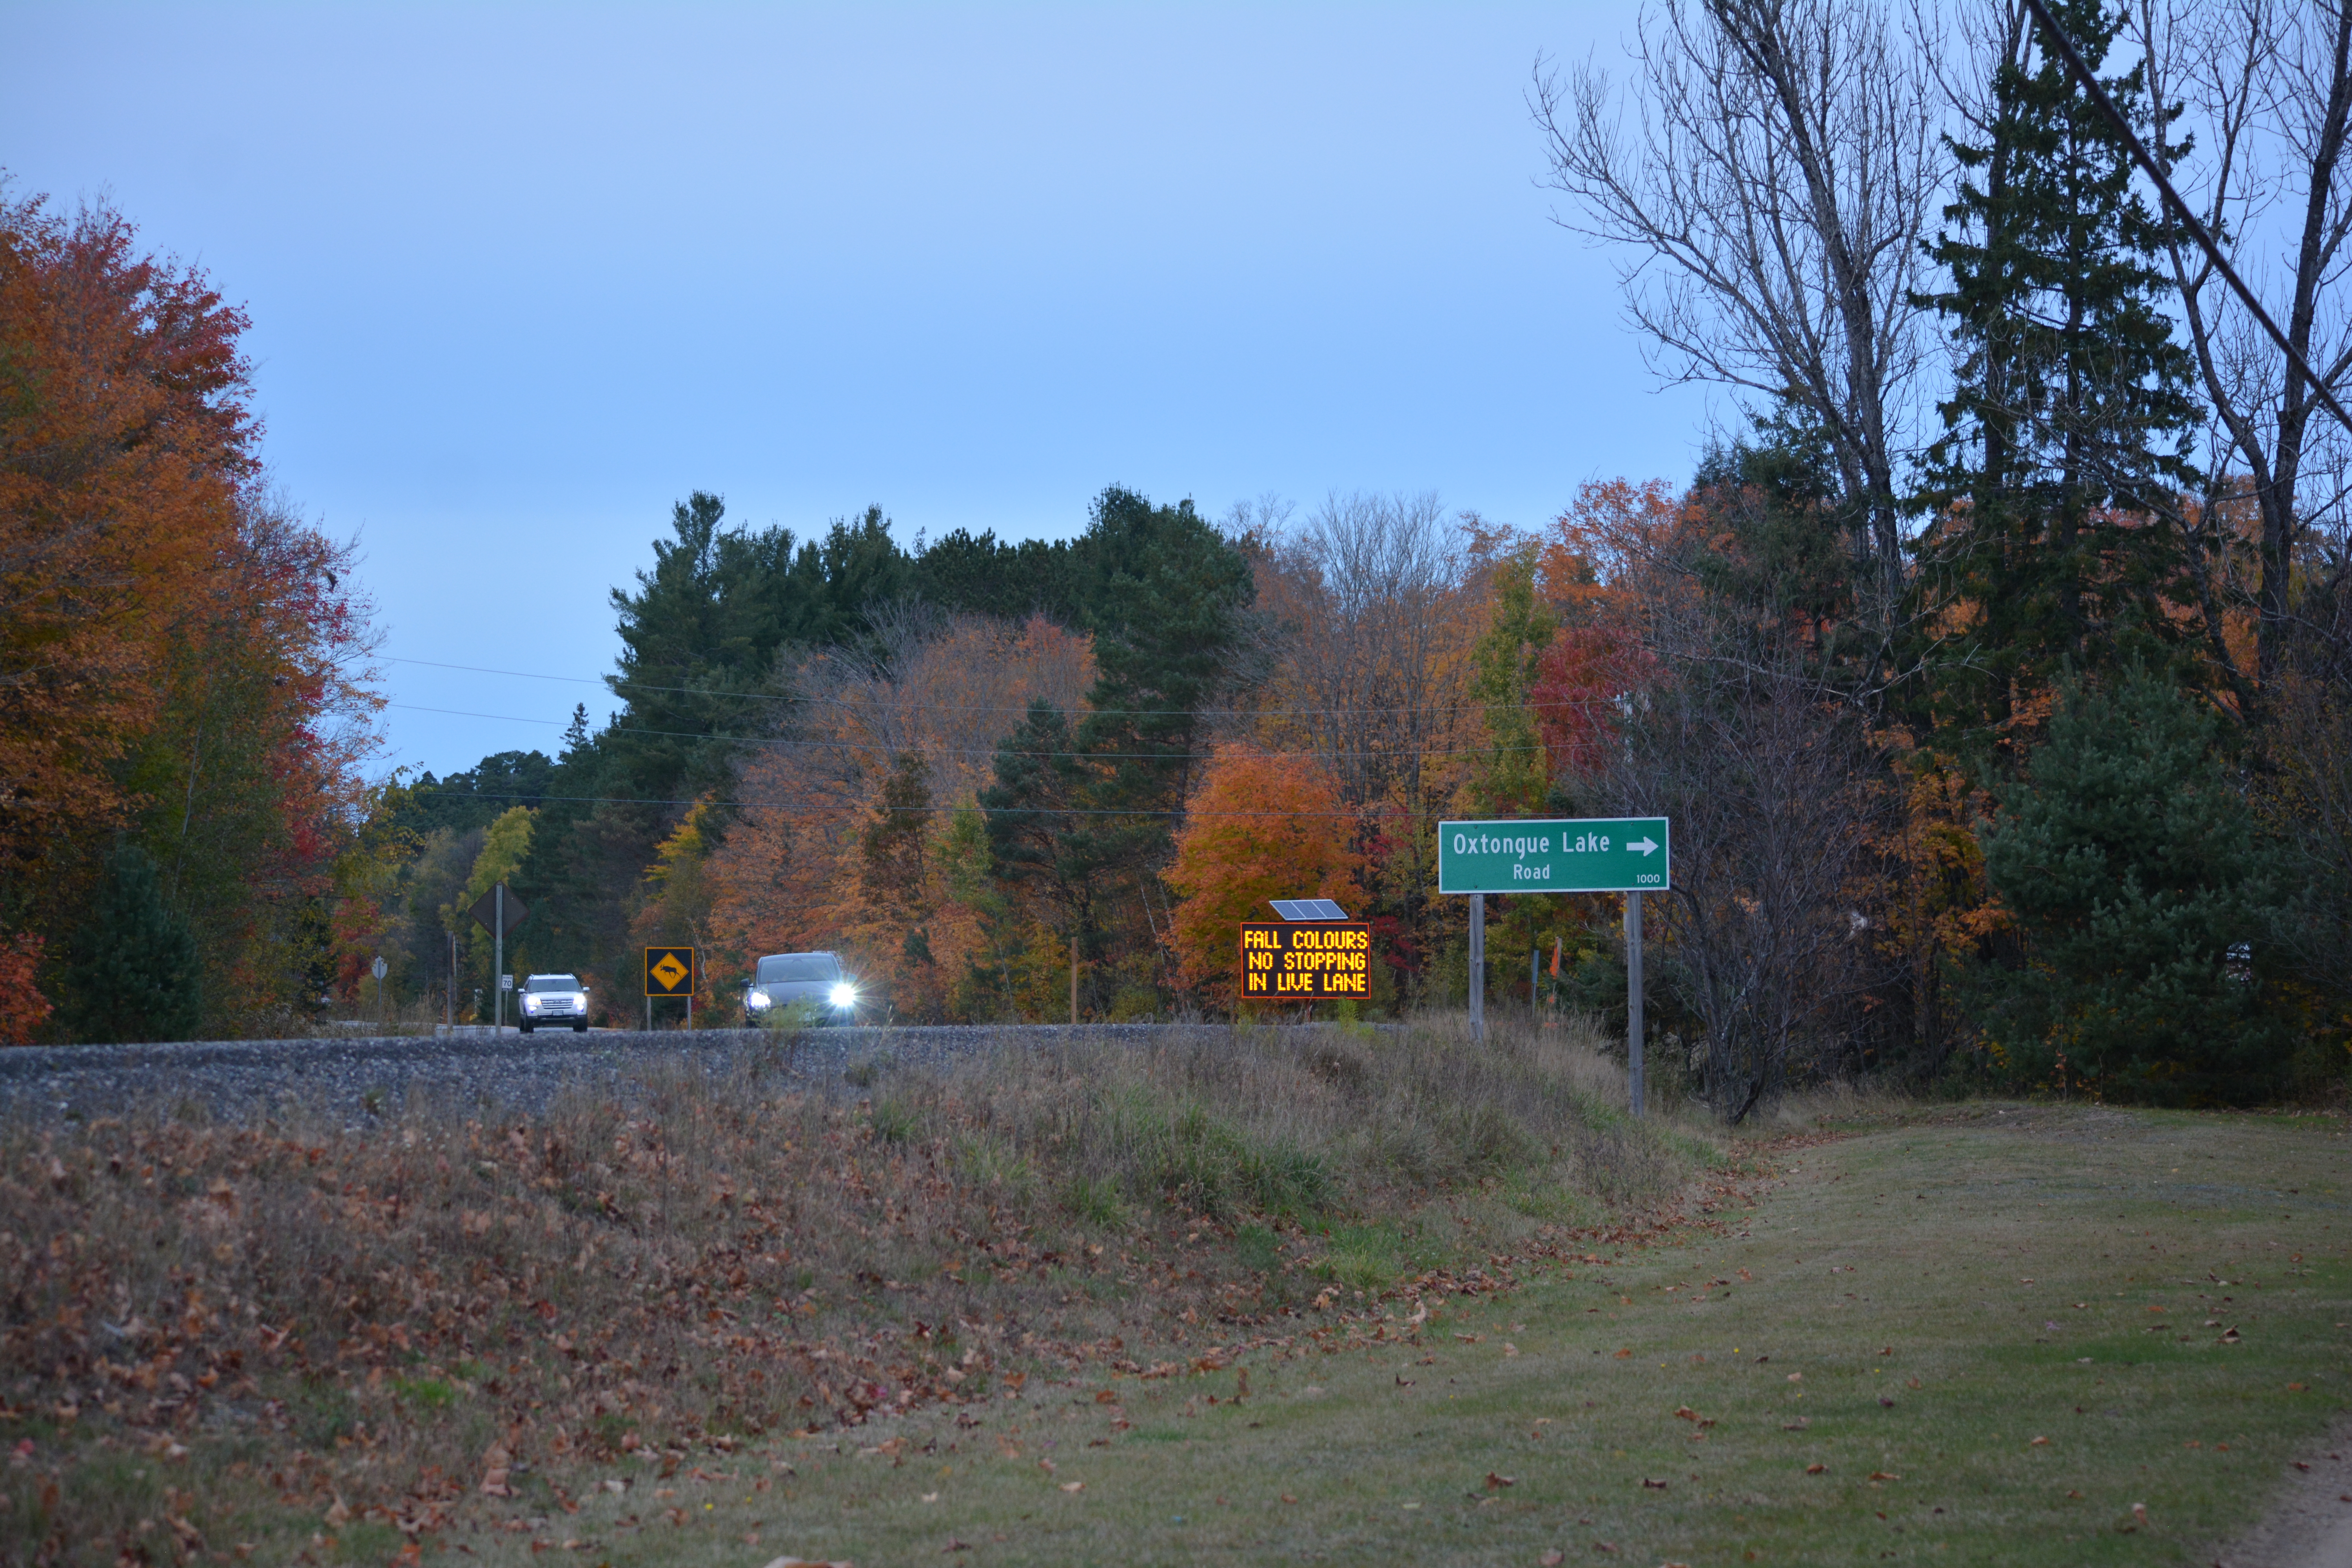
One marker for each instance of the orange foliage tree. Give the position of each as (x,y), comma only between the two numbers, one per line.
(1261,826)
(123,439)
(846,838)
(184,659)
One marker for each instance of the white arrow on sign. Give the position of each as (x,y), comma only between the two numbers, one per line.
(1644,845)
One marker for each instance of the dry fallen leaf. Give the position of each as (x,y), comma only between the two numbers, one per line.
(1074,1486)
(1553,1559)
(1496,1482)
(1815,1468)
(337,1515)
(1884,1476)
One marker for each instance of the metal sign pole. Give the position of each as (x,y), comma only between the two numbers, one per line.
(498,961)
(1478,968)
(1634,1000)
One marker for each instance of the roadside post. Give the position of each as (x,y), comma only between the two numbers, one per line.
(498,912)
(1628,855)
(378,969)
(1477,968)
(669,972)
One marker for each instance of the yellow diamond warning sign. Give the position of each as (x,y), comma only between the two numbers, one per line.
(669,971)
(1306,961)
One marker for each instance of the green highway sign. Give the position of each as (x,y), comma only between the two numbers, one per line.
(1558,854)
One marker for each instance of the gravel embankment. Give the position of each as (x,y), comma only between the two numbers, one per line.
(364,1077)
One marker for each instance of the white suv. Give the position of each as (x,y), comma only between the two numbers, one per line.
(556,999)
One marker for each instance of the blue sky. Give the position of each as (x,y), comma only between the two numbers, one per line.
(520,277)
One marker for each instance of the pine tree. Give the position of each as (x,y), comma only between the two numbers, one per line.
(2133,868)
(2066,438)
(137,975)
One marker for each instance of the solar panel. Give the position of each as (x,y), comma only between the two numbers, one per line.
(1308,910)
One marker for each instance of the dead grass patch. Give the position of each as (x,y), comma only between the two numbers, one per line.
(222,1334)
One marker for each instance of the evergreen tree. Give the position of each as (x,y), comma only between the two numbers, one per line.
(1511,780)
(1163,596)
(2134,867)
(1038,779)
(2066,438)
(1785,547)
(136,976)
(1082,818)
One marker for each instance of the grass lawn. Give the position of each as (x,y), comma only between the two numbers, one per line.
(1988,1334)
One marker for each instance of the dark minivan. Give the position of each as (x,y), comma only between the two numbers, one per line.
(809,984)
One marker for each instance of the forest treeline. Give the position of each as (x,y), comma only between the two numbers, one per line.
(1993,668)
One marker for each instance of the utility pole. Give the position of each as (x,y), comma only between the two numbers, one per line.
(1073,979)
(1478,969)
(449,1007)
(499,962)
(1634,1000)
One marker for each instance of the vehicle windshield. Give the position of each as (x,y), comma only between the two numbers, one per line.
(798,968)
(552,983)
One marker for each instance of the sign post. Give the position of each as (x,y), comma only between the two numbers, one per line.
(669,972)
(378,969)
(1633,1001)
(498,912)
(1628,855)
(1478,969)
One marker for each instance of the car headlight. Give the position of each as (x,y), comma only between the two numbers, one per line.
(531,1004)
(757,998)
(845,997)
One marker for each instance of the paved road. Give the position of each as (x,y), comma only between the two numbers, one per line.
(367,1077)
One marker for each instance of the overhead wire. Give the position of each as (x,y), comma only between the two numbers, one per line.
(796,743)
(610,683)
(861,809)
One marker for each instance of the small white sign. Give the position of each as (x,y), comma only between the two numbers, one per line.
(379,968)
(505,981)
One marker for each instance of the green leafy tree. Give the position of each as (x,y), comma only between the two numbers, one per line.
(137,975)
(506,844)
(2134,868)
(1511,780)
(2065,438)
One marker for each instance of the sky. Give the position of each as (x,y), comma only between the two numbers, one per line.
(521,278)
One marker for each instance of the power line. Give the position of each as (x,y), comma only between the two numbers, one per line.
(944,751)
(610,683)
(895,810)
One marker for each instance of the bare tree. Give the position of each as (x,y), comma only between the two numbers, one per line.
(1372,676)
(1773,187)
(2267,87)
(1775,798)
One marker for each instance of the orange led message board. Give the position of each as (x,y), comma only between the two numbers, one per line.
(1306,961)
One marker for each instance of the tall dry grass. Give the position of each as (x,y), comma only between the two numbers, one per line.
(386,1316)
